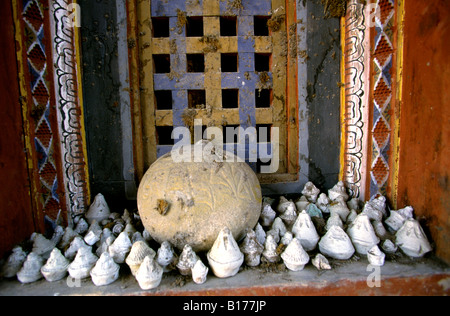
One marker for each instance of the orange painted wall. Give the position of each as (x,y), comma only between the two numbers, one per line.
(424,163)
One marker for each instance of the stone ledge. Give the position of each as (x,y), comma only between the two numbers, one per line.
(422,277)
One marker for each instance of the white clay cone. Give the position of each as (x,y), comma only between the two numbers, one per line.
(75,245)
(279,226)
(375,256)
(225,257)
(334,220)
(42,246)
(31,270)
(305,231)
(99,210)
(267,215)
(320,262)
(283,203)
(138,252)
(270,253)
(287,238)
(337,191)
(67,238)
(83,263)
(149,274)
(199,272)
(310,192)
(336,244)
(93,234)
(362,234)
(56,266)
(289,216)
(260,234)
(82,226)
(294,256)
(165,256)
(389,247)
(322,202)
(251,249)
(397,218)
(120,248)
(187,260)
(375,208)
(13,263)
(105,271)
(412,240)
(104,246)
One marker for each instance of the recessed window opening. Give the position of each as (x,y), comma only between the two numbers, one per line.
(164,135)
(229,62)
(231,134)
(228,26)
(195,63)
(161,63)
(161,27)
(196,99)
(230,98)
(262,62)
(163,99)
(194,26)
(260,25)
(263,98)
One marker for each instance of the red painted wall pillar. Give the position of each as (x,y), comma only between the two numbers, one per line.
(424,163)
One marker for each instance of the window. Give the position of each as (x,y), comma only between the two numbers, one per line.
(194,26)
(229,62)
(220,64)
(228,26)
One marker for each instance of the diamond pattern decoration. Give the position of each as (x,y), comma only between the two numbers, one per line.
(380,171)
(387,10)
(383,51)
(33,40)
(44,134)
(382,93)
(40,93)
(32,14)
(382,96)
(48,175)
(37,58)
(381,132)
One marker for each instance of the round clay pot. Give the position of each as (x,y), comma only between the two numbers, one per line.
(189,202)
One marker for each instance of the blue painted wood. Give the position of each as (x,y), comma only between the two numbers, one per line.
(167,8)
(249,7)
(191,81)
(180,103)
(246,61)
(194,7)
(245,25)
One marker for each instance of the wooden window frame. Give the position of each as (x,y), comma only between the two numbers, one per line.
(283,112)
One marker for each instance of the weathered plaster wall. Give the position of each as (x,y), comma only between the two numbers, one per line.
(106,100)
(425,119)
(323,100)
